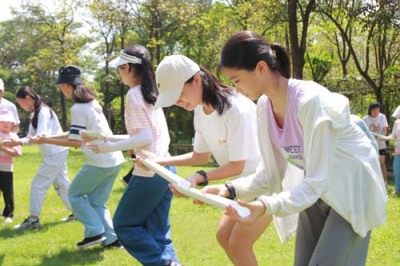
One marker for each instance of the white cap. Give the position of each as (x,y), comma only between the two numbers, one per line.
(396,113)
(6,116)
(171,75)
(124,58)
(1,85)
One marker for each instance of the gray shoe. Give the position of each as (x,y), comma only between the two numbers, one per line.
(28,224)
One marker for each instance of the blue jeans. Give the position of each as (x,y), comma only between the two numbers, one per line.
(88,194)
(396,172)
(141,220)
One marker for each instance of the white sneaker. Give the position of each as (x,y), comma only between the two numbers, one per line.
(8,220)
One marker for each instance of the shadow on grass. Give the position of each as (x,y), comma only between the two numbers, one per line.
(74,257)
(9,232)
(2,258)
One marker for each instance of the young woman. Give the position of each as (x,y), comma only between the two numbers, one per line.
(301,124)
(91,187)
(377,123)
(53,169)
(141,220)
(225,123)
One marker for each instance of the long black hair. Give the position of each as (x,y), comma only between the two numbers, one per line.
(82,93)
(215,93)
(145,70)
(25,91)
(245,49)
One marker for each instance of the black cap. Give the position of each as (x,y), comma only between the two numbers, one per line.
(69,75)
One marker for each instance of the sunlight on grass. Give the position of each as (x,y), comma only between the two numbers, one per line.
(193,230)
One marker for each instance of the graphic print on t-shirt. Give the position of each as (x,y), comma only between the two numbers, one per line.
(294,155)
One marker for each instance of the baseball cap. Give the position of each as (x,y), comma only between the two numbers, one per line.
(1,85)
(69,75)
(6,116)
(171,75)
(124,58)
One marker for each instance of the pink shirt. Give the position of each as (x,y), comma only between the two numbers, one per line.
(6,162)
(139,115)
(289,139)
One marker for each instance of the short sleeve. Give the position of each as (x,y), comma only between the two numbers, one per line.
(136,116)
(78,123)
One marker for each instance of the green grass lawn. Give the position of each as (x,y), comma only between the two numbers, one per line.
(193,230)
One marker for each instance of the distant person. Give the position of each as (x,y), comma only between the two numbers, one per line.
(6,163)
(396,160)
(53,169)
(377,123)
(225,125)
(10,107)
(92,185)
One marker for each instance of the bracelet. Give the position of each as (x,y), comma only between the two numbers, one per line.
(204,175)
(231,190)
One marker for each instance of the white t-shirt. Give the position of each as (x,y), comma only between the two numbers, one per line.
(89,116)
(376,125)
(10,107)
(138,115)
(48,124)
(231,136)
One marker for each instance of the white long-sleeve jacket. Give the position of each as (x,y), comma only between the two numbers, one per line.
(342,167)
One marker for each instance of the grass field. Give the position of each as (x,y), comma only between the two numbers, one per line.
(193,229)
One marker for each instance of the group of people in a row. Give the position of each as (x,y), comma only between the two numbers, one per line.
(312,167)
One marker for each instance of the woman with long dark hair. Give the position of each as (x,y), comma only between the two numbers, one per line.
(91,187)
(53,169)
(225,125)
(141,220)
(304,126)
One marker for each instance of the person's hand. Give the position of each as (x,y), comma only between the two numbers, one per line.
(40,139)
(219,190)
(176,192)
(9,142)
(257,209)
(94,147)
(85,137)
(138,162)
(195,179)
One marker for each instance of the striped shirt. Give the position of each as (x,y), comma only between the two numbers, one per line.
(139,115)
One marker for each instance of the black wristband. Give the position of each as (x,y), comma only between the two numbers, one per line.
(231,190)
(204,175)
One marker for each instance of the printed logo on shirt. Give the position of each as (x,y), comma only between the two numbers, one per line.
(294,155)
(375,127)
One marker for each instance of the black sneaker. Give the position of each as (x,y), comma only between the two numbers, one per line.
(69,218)
(90,241)
(115,244)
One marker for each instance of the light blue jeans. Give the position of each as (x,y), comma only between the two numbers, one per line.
(396,172)
(141,220)
(88,194)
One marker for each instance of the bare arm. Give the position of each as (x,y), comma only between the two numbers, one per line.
(191,158)
(59,140)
